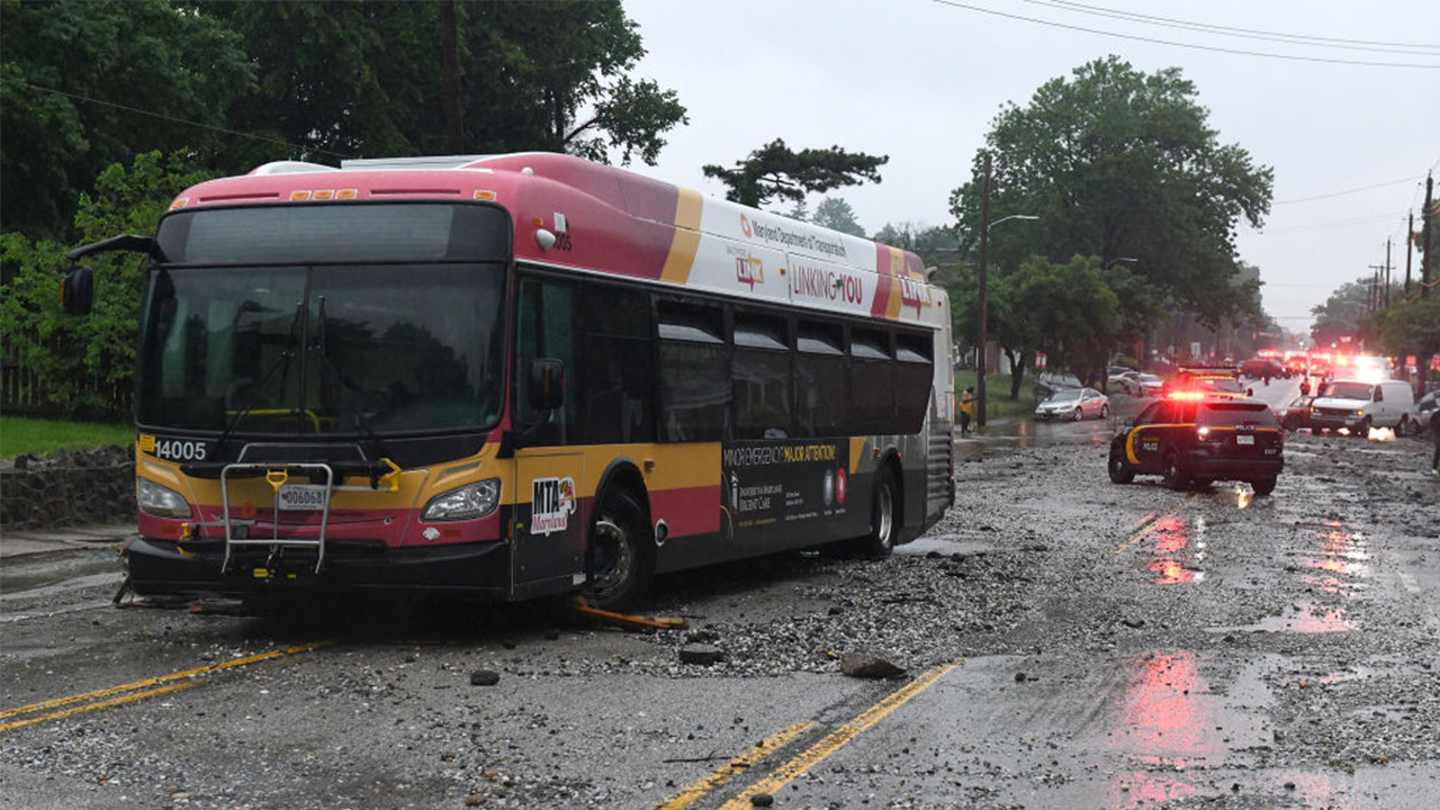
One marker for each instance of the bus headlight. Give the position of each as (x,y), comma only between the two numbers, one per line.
(160,501)
(470,501)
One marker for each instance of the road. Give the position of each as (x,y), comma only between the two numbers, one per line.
(1068,643)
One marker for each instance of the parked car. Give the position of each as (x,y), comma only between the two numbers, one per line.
(1114,373)
(1358,405)
(1425,409)
(1074,404)
(1140,384)
(1296,415)
(1049,382)
(1199,440)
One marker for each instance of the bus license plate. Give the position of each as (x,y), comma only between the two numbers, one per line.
(1244,439)
(302,496)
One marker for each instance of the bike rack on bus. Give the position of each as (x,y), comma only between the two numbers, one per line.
(276,475)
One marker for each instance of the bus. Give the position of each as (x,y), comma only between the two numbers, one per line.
(503,377)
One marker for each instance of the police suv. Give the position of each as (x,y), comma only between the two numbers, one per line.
(1192,438)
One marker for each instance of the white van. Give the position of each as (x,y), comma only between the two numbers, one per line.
(1358,405)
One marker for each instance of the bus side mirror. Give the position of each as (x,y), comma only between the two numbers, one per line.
(77,290)
(547,384)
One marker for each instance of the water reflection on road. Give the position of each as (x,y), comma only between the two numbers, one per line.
(1166,724)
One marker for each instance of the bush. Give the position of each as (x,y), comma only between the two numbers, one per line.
(87,363)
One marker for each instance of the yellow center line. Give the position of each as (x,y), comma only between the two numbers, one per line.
(141,684)
(832,742)
(698,789)
(104,704)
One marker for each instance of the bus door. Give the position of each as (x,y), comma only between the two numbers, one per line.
(549,522)
(549,537)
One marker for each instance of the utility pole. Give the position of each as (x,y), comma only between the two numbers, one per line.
(1387,272)
(1426,214)
(1409,250)
(1374,286)
(984,250)
(450,82)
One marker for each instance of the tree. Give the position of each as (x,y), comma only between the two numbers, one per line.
(85,85)
(1345,316)
(87,362)
(774,170)
(1413,328)
(1118,163)
(362,78)
(836,214)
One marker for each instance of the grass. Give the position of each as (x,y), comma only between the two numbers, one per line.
(43,437)
(998,404)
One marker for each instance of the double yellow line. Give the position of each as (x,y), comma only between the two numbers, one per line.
(807,759)
(131,692)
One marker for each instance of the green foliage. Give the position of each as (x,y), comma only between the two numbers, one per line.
(835,213)
(1117,163)
(87,362)
(774,170)
(88,84)
(364,78)
(76,78)
(1413,328)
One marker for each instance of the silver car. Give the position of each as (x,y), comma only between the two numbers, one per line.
(1074,404)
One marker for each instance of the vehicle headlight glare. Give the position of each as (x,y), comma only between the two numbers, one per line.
(159,501)
(463,503)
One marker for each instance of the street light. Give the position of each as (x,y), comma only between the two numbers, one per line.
(985,226)
(1119,259)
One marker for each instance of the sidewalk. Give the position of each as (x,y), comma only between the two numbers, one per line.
(18,542)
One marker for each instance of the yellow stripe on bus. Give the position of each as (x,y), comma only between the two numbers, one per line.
(687,237)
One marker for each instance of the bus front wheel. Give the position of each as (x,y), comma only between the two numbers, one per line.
(620,560)
(884,517)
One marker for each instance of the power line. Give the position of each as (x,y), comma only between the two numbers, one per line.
(1247,33)
(1348,191)
(1327,226)
(173,119)
(1237,51)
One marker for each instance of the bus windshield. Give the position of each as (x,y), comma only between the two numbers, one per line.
(323,349)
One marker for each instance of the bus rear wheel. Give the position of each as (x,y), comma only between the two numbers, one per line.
(884,514)
(619,560)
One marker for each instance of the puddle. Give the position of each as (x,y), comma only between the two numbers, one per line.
(1176,549)
(1340,562)
(1165,724)
(1301,617)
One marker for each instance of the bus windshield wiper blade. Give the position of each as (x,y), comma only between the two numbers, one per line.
(281,362)
(361,422)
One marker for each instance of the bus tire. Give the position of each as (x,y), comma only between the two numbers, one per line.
(619,559)
(884,517)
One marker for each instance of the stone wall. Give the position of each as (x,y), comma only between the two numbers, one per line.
(75,487)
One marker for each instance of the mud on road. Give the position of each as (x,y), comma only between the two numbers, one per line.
(1117,646)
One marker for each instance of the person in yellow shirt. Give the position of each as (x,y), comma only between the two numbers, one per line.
(967,408)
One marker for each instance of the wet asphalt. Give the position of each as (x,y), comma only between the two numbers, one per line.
(1070,643)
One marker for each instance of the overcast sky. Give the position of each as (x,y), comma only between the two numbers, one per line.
(921,81)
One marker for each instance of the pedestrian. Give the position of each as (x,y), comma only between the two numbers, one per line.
(967,406)
(1305,387)
(1435,436)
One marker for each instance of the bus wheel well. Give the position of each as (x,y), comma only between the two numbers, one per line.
(624,477)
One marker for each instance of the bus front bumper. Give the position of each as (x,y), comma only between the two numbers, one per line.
(470,570)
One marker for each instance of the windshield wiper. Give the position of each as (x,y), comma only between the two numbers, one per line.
(281,363)
(361,421)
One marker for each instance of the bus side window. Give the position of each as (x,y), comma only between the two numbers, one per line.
(760,374)
(872,385)
(694,372)
(913,379)
(820,404)
(546,329)
(615,378)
